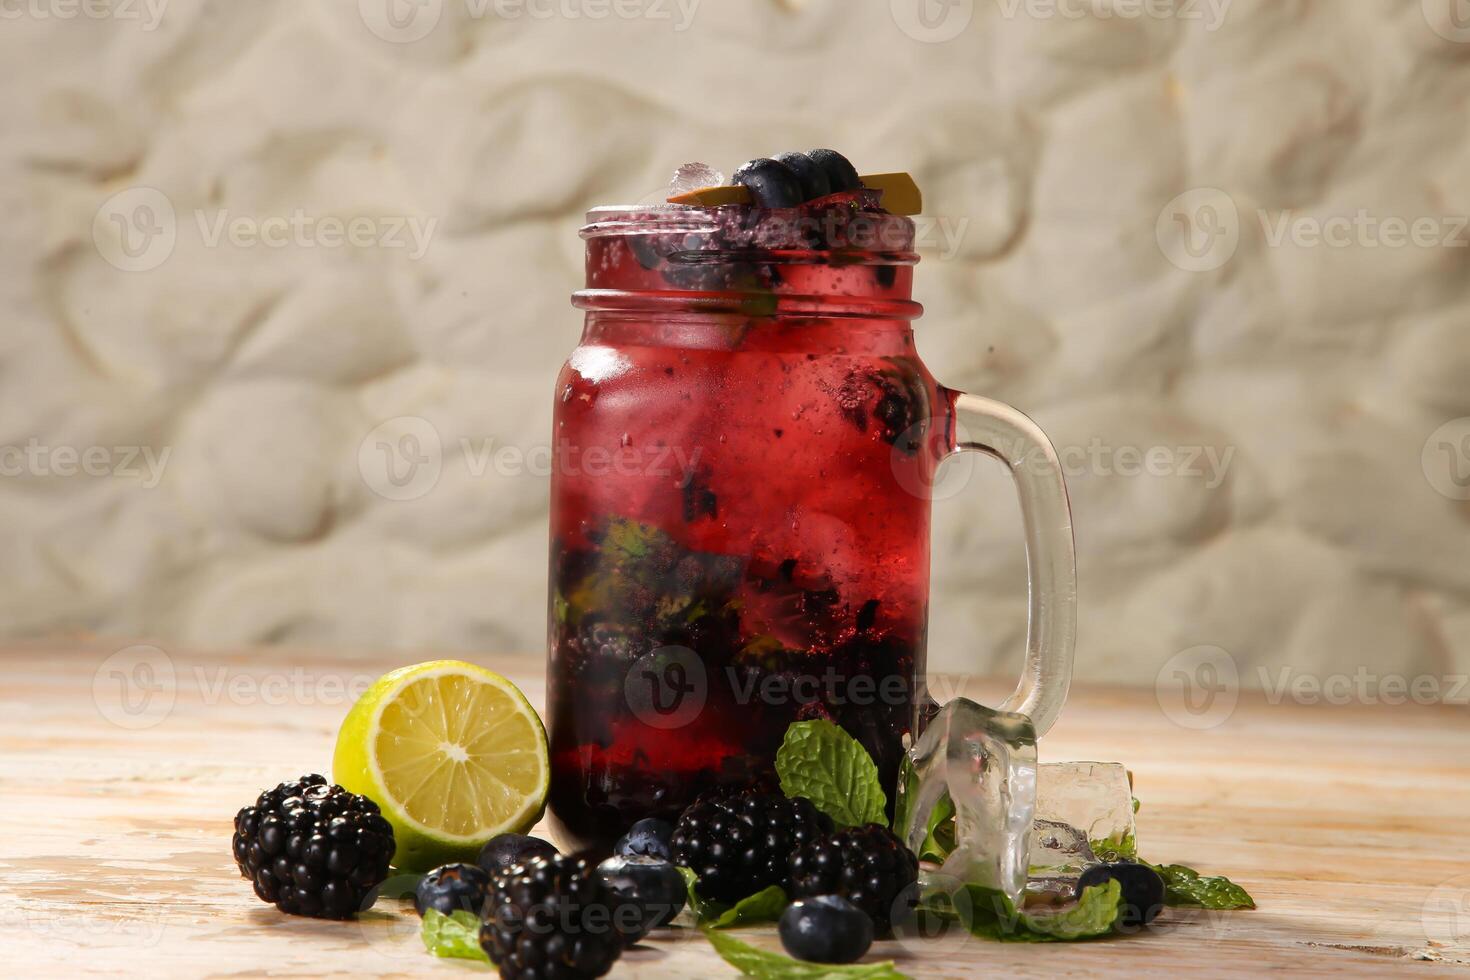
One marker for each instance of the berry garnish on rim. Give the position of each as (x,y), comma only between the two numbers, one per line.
(793,179)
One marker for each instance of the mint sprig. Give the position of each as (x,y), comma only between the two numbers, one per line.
(766,965)
(1187,888)
(992,915)
(1183,886)
(455,936)
(820,761)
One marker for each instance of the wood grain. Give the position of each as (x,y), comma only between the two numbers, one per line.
(1348,824)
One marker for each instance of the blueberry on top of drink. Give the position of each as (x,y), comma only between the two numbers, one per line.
(813,176)
(841,174)
(772,184)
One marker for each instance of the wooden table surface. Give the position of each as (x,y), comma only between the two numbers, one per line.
(121,769)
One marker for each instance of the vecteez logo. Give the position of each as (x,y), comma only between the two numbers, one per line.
(136,687)
(402,458)
(1450,19)
(1198,688)
(136,230)
(667,688)
(148,14)
(1445,914)
(407,21)
(932,21)
(401,21)
(1199,231)
(1445,459)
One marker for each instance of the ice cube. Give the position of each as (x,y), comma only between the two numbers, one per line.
(1058,847)
(693,176)
(1094,797)
(985,762)
(1059,854)
(1084,815)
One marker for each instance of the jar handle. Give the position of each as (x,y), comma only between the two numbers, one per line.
(996,429)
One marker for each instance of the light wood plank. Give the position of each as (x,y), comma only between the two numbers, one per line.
(115,859)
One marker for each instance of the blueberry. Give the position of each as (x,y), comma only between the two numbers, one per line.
(648,837)
(508,849)
(452,888)
(772,184)
(651,885)
(826,929)
(814,180)
(841,174)
(1143,889)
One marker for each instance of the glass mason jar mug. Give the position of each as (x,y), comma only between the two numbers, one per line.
(745,442)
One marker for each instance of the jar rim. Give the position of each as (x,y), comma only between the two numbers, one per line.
(763,228)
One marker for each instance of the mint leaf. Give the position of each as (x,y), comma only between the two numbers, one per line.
(939,831)
(1094,915)
(456,936)
(822,762)
(940,839)
(763,906)
(1124,847)
(690,880)
(766,965)
(1187,888)
(638,573)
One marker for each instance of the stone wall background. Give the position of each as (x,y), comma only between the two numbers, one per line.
(1331,380)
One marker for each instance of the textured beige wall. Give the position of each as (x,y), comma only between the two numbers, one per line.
(1297,505)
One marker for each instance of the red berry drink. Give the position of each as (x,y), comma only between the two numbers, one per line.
(739,518)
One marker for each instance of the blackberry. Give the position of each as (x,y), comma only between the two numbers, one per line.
(741,844)
(552,918)
(868,866)
(312,848)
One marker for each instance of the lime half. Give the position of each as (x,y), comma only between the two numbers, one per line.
(453,753)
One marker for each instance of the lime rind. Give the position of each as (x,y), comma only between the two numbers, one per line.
(453,708)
